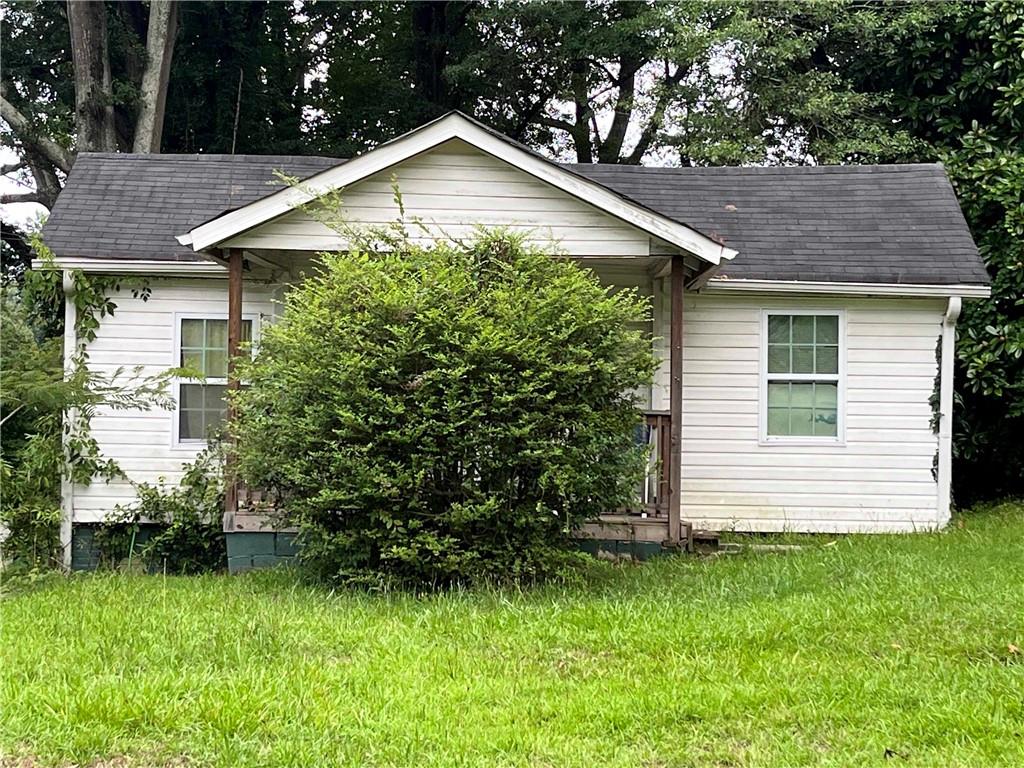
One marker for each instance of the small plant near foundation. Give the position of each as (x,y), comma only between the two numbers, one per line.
(173,528)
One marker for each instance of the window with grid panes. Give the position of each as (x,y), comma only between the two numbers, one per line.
(203,349)
(802,375)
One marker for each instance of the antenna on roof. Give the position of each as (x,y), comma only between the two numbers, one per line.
(238,108)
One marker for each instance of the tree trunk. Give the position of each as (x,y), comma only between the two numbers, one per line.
(435,24)
(94,102)
(611,147)
(163,25)
(581,137)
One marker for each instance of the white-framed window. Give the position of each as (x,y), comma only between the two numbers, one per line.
(803,372)
(201,345)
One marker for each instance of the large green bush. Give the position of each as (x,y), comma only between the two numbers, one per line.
(442,416)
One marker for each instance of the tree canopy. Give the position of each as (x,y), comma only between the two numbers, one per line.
(690,82)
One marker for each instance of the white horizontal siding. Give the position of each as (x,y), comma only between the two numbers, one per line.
(142,333)
(451,190)
(880,479)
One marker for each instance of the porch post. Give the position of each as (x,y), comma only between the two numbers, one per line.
(234,340)
(675,395)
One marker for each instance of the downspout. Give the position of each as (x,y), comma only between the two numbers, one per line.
(945,467)
(67,487)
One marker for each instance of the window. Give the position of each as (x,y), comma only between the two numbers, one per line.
(801,386)
(203,349)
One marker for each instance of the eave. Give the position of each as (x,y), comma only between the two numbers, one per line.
(728,285)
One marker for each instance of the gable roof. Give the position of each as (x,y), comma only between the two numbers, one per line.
(865,224)
(852,223)
(456,125)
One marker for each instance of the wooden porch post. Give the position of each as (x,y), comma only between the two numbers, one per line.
(234,341)
(675,401)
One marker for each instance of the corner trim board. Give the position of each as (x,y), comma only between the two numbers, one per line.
(944,473)
(67,487)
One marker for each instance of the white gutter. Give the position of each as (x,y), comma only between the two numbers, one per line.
(948,351)
(727,285)
(139,267)
(67,488)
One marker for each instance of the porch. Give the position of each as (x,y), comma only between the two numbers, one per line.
(654,519)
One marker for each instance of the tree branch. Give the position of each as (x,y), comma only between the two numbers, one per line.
(610,148)
(48,186)
(530,115)
(650,131)
(22,197)
(11,167)
(27,134)
(551,122)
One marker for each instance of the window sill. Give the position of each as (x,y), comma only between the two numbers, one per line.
(189,445)
(795,442)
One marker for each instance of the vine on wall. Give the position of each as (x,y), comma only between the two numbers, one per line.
(47,402)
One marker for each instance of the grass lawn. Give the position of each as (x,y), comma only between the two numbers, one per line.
(863,651)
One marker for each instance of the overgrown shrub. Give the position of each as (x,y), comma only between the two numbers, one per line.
(183,523)
(446,415)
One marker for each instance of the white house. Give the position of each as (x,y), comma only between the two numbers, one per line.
(804,316)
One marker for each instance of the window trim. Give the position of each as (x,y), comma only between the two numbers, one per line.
(193,444)
(763,379)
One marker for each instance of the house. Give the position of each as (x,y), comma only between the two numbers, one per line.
(804,317)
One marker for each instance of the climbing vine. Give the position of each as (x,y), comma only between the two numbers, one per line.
(47,401)
(176,528)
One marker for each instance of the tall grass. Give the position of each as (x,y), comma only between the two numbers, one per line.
(888,650)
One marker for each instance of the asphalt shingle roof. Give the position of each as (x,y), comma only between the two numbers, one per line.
(860,223)
(122,206)
(886,224)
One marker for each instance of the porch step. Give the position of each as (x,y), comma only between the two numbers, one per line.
(626,528)
(705,541)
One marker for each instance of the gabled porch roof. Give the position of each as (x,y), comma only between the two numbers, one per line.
(456,126)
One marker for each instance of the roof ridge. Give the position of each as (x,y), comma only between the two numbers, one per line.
(211,156)
(220,157)
(859,168)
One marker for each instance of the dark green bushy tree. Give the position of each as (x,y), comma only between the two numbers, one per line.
(442,416)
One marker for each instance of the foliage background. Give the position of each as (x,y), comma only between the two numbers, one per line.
(823,81)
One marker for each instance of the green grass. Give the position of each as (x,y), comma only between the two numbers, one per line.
(867,651)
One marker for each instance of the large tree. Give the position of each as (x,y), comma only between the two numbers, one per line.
(689,82)
(82,76)
(590,82)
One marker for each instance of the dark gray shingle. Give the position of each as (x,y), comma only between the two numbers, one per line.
(863,223)
(889,224)
(119,206)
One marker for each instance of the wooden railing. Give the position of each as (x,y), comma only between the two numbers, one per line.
(653,493)
(256,508)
